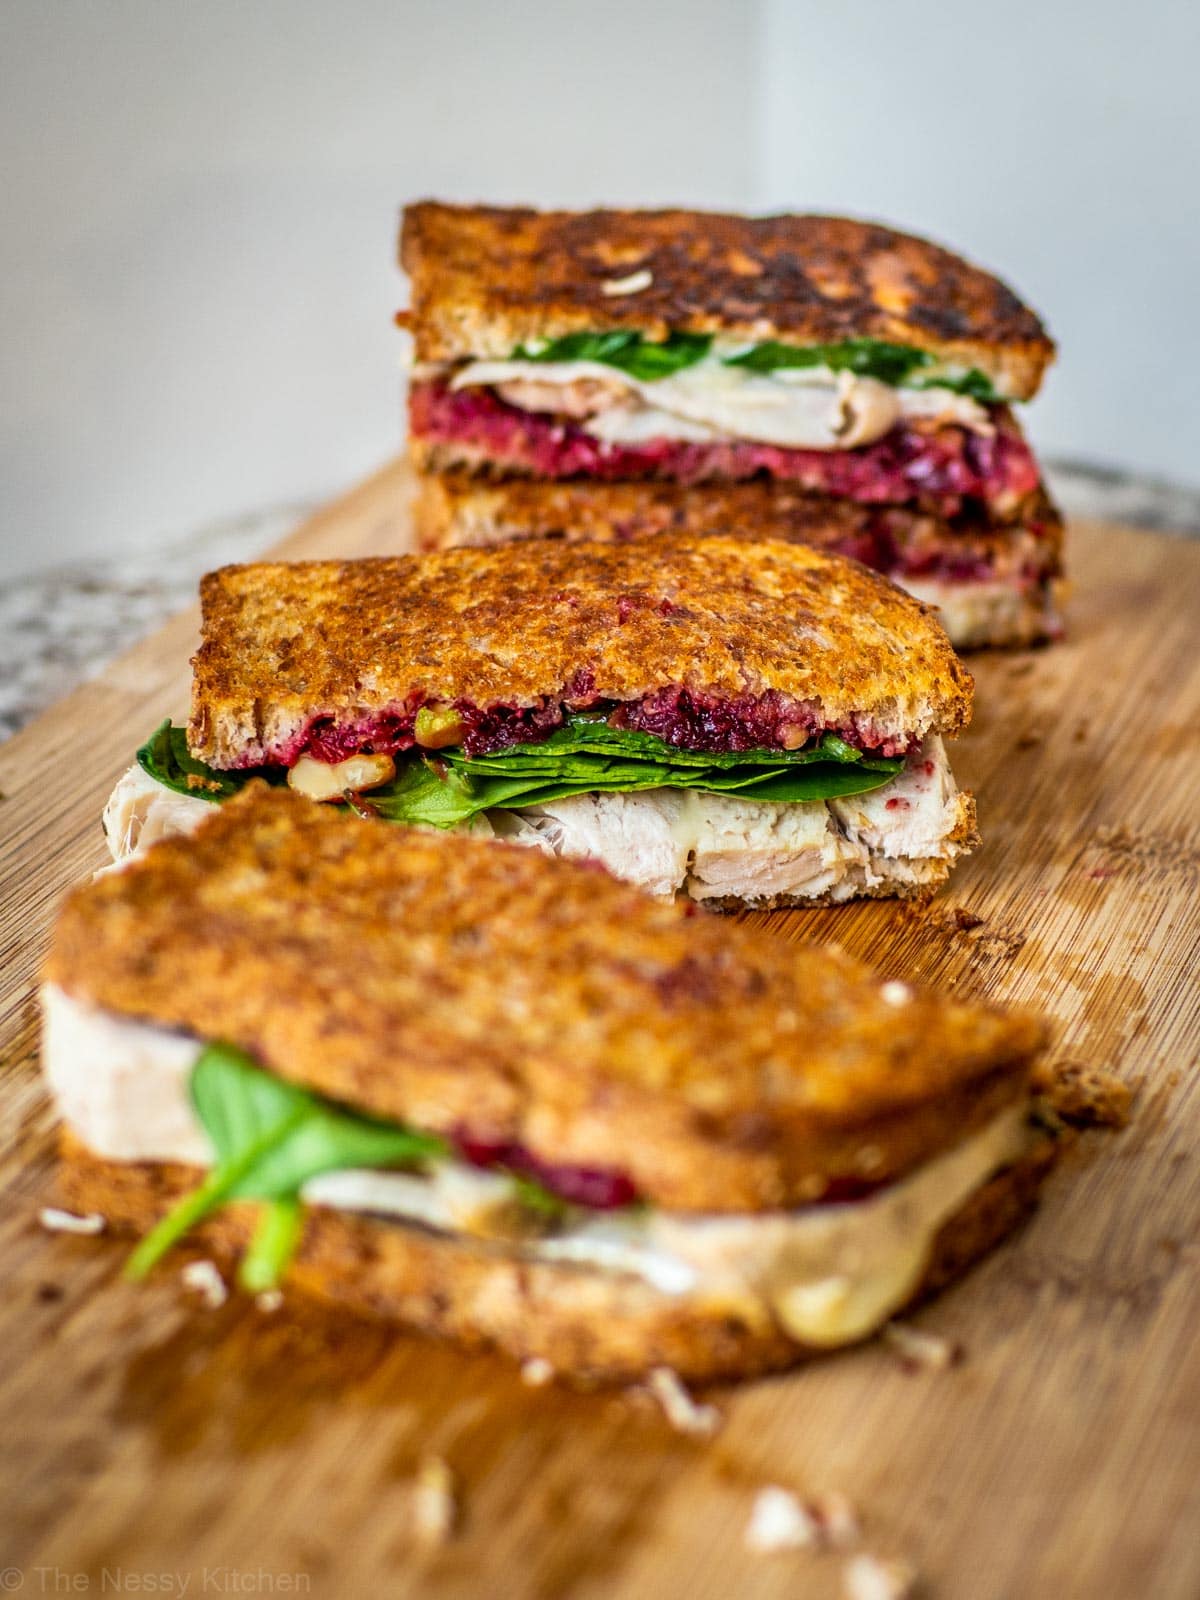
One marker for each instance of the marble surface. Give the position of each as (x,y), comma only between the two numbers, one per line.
(62,626)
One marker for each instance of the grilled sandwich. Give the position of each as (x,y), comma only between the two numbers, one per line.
(811,356)
(748,722)
(514,1101)
(989,584)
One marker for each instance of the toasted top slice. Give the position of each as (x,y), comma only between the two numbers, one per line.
(465,986)
(486,279)
(816,640)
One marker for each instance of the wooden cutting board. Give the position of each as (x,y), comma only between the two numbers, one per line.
(153,1444)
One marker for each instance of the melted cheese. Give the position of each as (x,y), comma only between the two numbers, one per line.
(809,408)
(827,1273)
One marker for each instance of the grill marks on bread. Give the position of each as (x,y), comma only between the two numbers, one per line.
(486,279)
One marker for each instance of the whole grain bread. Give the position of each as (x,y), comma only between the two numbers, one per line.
(453,983)
(485,279)
(288,645)
(455,509)
(588,1325)
(452,509)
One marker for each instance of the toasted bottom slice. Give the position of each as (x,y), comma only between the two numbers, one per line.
(898,841)
(993,584)
(589,1325)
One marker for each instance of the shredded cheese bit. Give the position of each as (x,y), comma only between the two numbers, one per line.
(204,1278)
(680,1410)
(56,1221)
(434,1503)
(633,284)
(869,1578)
(536,1372)
(917,1349)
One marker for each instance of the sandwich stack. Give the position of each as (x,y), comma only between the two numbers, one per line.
(613,374)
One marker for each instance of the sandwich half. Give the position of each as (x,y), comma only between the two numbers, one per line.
(514,1101)
(837,358)
(744,722)
(990,584)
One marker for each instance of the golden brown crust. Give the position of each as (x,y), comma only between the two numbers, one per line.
(448,982)
(284,644)
(588,1325)
(485,279)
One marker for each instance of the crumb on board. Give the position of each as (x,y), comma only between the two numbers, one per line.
(56,1221)
(434,1503)
(933,914)
(683,1413)
(204,1278)
(868,1578)
(781,1520)
(919,1350)
(1088,1096)
(895,993)
(536,1371)
(269,1300)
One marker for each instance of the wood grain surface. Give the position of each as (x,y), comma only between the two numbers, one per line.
(152,1445)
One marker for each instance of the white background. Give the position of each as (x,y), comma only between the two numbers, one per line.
(199,205)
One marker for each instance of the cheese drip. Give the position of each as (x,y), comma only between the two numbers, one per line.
(829,1274)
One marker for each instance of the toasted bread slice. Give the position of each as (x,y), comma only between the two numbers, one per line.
(486,279)
(455,984)
(588,1325)
(347,643)
(993,584)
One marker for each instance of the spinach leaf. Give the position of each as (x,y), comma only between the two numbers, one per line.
(647,359)
(975,385)
(869,358)
(588,733)
(631,352)
(269,1138)
(165,756)
(585,756)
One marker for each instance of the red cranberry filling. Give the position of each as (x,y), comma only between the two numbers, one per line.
(941,468)
(598,1188)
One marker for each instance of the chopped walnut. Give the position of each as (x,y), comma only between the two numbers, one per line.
(1089,1096)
